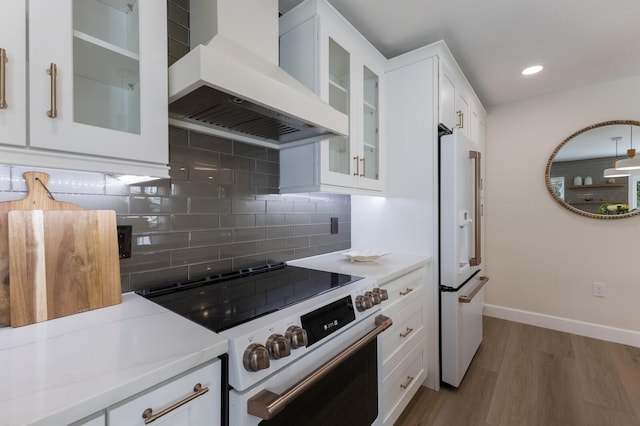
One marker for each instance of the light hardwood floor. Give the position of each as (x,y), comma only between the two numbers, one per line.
(525,375)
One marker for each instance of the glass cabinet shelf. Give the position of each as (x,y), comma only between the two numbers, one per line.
(104,62)
(369,108)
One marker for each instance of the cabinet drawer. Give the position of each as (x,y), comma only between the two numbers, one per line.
(407,329)
(405,287)
(402,384)
(201,410)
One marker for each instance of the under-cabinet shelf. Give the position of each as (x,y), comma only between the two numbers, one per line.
(598,185)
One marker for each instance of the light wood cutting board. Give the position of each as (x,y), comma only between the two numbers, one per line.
(61,262)
(37,199)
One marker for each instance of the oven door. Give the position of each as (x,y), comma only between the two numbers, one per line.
(343,390)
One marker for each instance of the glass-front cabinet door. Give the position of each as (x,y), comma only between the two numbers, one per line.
(98,75)
(339,149)
(370,157)
(106,64)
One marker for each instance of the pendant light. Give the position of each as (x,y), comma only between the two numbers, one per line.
(613,173)
(631,162)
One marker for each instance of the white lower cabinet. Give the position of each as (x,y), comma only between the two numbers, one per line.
(402,383)
(402,348)
(193,399)
(407,330)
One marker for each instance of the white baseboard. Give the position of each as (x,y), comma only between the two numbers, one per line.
(581,328)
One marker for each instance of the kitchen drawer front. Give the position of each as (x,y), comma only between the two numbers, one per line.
(201,410)
(405,287)
(407,328)
(403,382)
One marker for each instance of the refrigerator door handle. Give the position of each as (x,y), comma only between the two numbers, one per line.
(477,259)
(467,298)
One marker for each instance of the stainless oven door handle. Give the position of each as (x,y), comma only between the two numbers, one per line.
(467,298)
(266,404)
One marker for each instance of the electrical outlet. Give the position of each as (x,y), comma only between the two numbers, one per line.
(334,225)
(599,289)
(124,241)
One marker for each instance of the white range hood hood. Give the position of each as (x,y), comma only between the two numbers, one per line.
(230,81)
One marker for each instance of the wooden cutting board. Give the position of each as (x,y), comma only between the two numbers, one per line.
(37,199)
(61,262)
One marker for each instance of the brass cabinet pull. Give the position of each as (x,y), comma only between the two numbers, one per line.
(477,259)
(460,119)
(407,383)
(405,292)
(3,78)
(356,158)
(406,332)
(149,417)
(467,298)
(53,73)
(363,167)
(266,404)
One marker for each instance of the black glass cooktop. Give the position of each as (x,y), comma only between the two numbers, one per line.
(223,301)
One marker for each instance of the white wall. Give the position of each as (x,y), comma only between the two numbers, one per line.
(541,257)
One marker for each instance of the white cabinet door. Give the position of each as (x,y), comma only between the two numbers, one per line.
(447,111)
(462,112)
(13,121)
(204,409)
(110,91)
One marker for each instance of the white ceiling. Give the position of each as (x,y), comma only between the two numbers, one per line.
(580,42)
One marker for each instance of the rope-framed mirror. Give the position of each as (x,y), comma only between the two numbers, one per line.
(592,172)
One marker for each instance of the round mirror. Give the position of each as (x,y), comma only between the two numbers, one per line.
(595,172)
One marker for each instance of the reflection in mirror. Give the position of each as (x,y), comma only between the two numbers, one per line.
(581,173)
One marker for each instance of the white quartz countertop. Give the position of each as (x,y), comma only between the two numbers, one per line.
(383,269)
(59,371)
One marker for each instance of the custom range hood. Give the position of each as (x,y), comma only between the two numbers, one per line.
(230,81)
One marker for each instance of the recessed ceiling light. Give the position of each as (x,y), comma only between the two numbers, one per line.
(534,69)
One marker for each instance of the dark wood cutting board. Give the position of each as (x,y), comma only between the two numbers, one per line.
(61,262)
(37,199)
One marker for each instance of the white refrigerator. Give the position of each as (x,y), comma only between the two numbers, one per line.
(461,278)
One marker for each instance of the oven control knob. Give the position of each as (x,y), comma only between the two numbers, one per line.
(278,346)
(375,297)
(256,357)
(384,295)
(297,337)
(361,304)
(368,300)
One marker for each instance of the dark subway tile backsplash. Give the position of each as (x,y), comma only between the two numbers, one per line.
(194,226)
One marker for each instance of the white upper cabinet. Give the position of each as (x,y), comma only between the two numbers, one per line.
(458,107)
(97,78)
(13,62)
(325,53)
